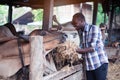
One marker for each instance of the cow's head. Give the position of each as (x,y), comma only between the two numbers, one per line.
(51,39)
(72,36)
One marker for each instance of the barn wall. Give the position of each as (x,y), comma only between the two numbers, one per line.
(65,13)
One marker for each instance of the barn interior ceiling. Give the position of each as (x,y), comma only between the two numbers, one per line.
(40,3)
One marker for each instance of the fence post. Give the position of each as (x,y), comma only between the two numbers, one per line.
(36,60)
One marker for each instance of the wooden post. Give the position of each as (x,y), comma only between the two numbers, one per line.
(36,61)
(10,14)
(110,23)
(95,12)
(104,18)
(48,13)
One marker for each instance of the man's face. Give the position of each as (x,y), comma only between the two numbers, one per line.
(102,29)
(78,24)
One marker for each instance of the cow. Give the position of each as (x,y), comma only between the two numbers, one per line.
(9,54)
(11,27)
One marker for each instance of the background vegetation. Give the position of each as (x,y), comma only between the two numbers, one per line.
(100,15)
(38,14)
(3,14)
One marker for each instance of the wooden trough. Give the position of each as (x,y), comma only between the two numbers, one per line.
(38,65)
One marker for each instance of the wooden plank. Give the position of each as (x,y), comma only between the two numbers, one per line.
(49,65)
(63,73)
(37,59)
(75,76)
(48,13)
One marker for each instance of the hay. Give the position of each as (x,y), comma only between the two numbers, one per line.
(66,54)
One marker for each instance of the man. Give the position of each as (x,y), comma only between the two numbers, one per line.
(92,48)
(103,31)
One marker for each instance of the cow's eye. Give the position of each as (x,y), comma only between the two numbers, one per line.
(43,33)
(64,37)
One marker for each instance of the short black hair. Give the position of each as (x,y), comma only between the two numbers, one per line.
(102,25)
(79,16)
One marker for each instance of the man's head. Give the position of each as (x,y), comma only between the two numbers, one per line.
(103,27)
(78,21)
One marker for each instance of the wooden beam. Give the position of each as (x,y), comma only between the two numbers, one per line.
(64,73)
(95,8)
(48,13)
(37,59)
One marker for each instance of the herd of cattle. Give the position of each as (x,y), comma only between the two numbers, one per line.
(9,53)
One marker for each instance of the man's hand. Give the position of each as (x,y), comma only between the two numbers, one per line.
(80,51)
(85,50)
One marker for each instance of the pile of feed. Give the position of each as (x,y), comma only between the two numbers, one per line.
(66,54)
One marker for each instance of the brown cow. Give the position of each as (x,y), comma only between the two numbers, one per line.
(11,28)
(9,53)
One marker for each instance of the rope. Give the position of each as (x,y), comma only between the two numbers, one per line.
(24,70)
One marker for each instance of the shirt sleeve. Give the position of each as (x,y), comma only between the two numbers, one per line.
(94,36)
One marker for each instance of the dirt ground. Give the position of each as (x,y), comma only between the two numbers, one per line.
(114,71)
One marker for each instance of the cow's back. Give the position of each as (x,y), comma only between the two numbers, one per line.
(5,32)
(10,55)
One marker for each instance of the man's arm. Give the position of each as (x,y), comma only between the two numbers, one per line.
(85,50)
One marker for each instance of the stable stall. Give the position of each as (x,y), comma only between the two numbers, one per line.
(36,64)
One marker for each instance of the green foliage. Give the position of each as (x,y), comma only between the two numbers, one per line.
(3,9)
(100,15)
(38,14)
(3,14)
